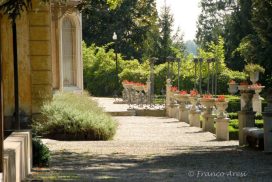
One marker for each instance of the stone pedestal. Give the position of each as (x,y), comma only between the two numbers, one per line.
(222,129)
(242,103)
(267,116)
(246,119)
(168,94)
(183,114)
(208,122)
(208,118)
(257,103)
(194,118)
(175,111)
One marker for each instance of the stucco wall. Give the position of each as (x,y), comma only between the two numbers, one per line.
(34,59)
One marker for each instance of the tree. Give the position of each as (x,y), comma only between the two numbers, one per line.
(237,27)
(211,21)
(262,21)
(166,23)
(132,20)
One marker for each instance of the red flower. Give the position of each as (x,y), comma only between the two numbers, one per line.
(221,98)
(174,89)
(207,96)
(194,92)
(183,92)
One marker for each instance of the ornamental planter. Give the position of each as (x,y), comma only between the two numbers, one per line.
(208,103)
(254,76)
(182,99)
(208,118)
(233,88)
(193,100)
(221,106)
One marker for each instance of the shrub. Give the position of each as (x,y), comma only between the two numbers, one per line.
(259,123)
(234,123)
(74,117)
(233,115)
(234,106)
(41,153)
(258,116)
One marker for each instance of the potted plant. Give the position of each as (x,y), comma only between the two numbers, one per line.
(233,87)
(257,88)
(221,104)
(182,97)
(207,100)
(253,70)
(193,98)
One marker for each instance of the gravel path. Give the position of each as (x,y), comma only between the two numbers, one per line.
(155,149)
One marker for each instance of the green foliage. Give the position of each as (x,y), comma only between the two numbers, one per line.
(234,123)
(41,153)
(14,8)
(100,71)
(233,115)
(133,21)
(74,117)
(259,116)
(234,106)
(253,68)
(259,123)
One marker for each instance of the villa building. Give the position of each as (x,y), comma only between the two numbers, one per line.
(49,56)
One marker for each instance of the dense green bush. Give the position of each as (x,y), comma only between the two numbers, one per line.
(259,123)
(74,117)
(100,71)
(41,153)
(234,123)
(233,115)
(234,106)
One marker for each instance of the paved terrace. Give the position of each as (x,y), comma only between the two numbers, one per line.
(155,149)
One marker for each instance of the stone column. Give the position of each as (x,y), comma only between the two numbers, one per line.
(257,103)
(257,100)
(175,108)
(208,118)
(246,116)
(194,113)
(168,93)
(267,116)
(222,122)
(183,113)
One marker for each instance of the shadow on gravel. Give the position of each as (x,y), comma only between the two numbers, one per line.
(230,163)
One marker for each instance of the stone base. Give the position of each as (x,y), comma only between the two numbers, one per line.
(246,119)
(184,115)
(267,132)
(208,123)
(222,129)
(173,111)
(194,118)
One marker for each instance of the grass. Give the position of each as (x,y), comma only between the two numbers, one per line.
(74,117)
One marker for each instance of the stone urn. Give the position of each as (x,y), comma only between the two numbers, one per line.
(233,88)
(208,103)
(254,76)
(193,100)
(182,99)
(258,89)
(247,97)
(221,106)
